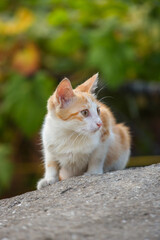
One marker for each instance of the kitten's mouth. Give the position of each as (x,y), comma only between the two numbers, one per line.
(95,130)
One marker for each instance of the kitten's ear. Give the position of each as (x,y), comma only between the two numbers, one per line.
(64,92)
(90,85)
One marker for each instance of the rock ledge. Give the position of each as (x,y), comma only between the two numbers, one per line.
(119,205)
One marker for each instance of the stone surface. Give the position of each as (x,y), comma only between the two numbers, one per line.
(113,206)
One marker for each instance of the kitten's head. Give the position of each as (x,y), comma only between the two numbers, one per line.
(77,109)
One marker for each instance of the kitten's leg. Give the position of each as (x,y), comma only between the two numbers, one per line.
(51,172)
(119,149)
(114,163)
(96,163)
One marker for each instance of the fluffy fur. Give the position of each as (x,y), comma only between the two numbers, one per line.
(80,134)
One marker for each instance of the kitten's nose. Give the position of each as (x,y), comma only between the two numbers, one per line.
(99,124)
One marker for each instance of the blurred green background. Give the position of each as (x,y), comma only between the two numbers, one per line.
(43,41)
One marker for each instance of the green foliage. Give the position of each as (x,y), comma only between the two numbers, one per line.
(25,100)
(112,57)
(117,38)
(6,167)
(58,17)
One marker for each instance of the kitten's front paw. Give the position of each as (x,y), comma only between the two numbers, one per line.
(90,173)
(45,182)
(87,174)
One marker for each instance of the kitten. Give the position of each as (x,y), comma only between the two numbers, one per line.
(80,134)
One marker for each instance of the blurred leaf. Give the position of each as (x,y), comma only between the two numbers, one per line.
(22,20)
(67,42)
(25,100)
(6,167)
(111,54)
(26,60)
(58,17)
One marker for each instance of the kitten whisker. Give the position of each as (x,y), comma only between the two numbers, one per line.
(82,138)
(74,141)
(69,138)
(105,98)
(100,90)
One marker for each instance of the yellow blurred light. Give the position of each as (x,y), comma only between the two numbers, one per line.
(22,20)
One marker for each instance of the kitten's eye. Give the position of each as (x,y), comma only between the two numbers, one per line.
(98,110)
(85,113)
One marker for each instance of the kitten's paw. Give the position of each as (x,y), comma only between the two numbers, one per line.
(87,174)
(91,173)
(45,182)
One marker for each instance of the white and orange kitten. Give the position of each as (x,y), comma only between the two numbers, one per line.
(80,134)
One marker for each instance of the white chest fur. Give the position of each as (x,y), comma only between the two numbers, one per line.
(67,147)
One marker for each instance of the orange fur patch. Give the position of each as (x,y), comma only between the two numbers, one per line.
(107,119)
(74,116)
(50,104)
(88,85)
(121,143)
(124,136)
(79,103)
(53,164)
(60,178)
